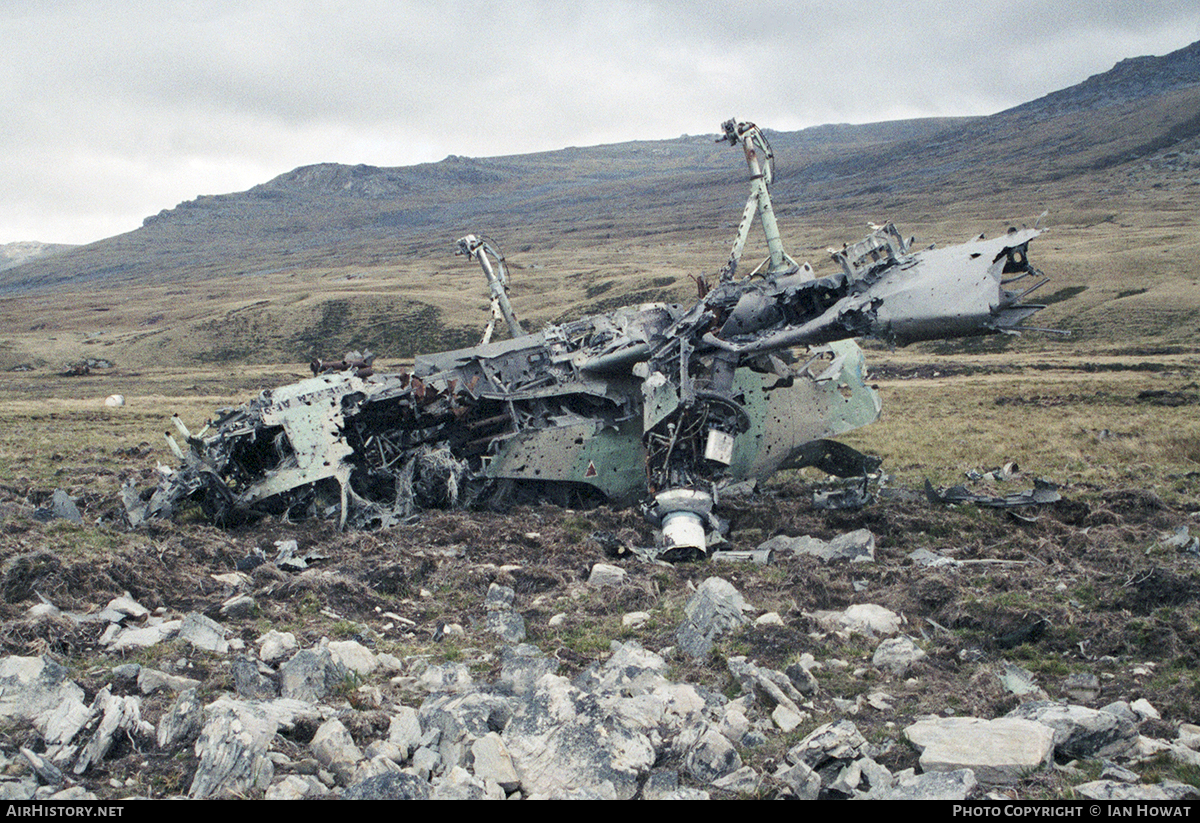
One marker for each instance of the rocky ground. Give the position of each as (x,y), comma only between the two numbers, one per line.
(531,653)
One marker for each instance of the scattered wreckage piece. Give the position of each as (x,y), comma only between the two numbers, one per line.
(1043,491)
(663,404)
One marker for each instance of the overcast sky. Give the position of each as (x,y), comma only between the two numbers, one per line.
(115,109)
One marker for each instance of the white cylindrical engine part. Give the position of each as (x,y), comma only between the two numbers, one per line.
(683,529)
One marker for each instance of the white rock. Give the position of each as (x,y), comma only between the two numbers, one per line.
(354,656)
(897,655)
(276,646)
(127,605)
(144,638)
(634,620)
(63,722)
(786,719)
(999,752)
(405,730)
(151,680)
(743,781)
(204,633)
(1189,735)
(769,619)
(30,686)
(864,618)
(494,763)
(295,787)
(333,746)
(605,575)
(1144,710)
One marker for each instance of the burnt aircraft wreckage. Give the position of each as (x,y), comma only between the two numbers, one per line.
(659,404)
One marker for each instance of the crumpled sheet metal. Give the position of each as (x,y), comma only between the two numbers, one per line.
(1043,492)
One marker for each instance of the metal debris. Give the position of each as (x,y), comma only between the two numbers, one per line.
(663,404)
(1043,491)
(1182,540)
(62,507)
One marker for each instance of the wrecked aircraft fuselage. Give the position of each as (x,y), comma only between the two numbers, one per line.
(662,404)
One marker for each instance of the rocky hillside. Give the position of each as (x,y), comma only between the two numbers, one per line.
(19,253)
(531,654)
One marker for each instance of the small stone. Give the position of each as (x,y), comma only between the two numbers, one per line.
(151,680)
(634,620)
(276,646)
(499,598)
(354,656)
(239,607)
(1083,687)
(897,655)
(204,633)
(786,719)
(1144,710)
(603,574)
(743,781)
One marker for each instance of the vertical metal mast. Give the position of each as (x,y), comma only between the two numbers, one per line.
(760,160)
(479,248)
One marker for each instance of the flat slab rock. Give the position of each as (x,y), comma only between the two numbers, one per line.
(1080,732)
(998,751)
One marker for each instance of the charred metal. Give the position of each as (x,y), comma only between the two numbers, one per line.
(659,404)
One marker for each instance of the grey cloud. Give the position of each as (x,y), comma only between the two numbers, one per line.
(179,98)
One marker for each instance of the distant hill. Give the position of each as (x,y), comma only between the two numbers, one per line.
(328,257)
(1131,79)
(16,254)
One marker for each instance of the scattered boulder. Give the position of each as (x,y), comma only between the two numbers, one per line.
(204,633)
(30,686)
(897,655)
(953,785)
(249,682)
(391,786)
(857,546)
(233,752)
(152,680)
(182,722)
(501,619)
(335,749)
(865,618)
(493,762)
(1115,790)
(713,757)
(274,646)
(521,667)
(839,741)
(354,656)
(999,752)
(311,674)
(715,608)
(1081,733)
(603,574)
(561,738)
